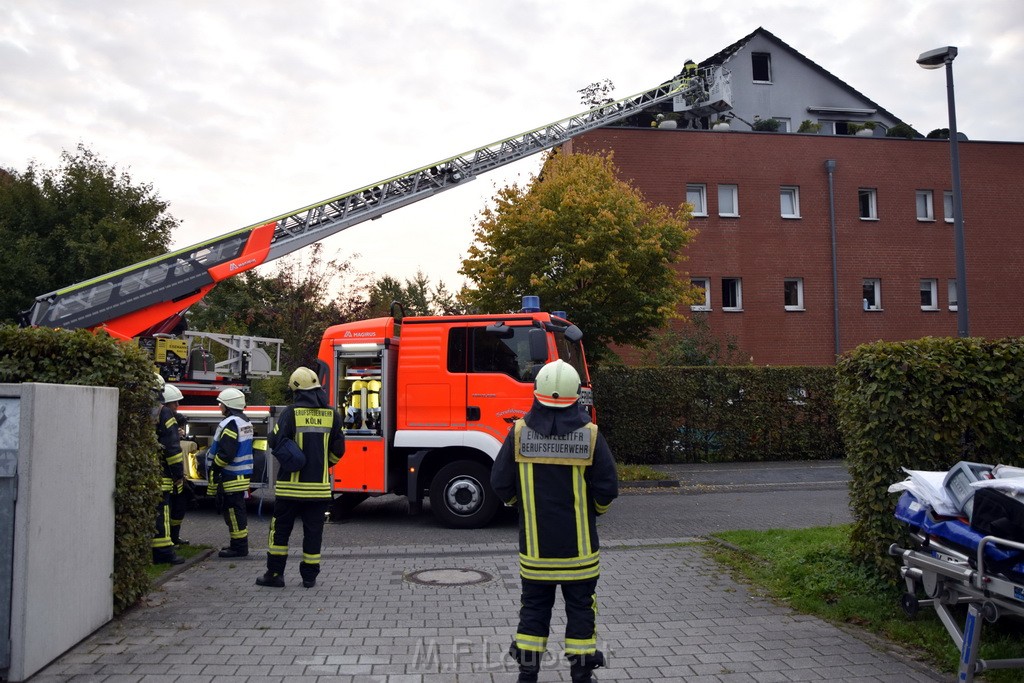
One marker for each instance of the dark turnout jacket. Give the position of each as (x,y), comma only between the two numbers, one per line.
(558,470)
(316,428)
(172,463)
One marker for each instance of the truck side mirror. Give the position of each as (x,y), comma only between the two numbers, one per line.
(538,345)
(573,333)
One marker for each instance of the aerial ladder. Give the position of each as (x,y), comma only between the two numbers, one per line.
(151,297)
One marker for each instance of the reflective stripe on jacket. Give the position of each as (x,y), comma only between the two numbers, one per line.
(316,428)
(231,451)
(172,462)
(558,503)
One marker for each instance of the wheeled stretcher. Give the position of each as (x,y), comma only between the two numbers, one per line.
(952,564)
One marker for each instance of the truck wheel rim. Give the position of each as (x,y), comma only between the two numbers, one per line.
(463,495)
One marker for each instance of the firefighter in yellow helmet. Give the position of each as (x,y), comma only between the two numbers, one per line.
(307,440)
(173,474)
(558,470)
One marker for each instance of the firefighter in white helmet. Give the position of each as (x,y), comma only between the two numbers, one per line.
(230,468)
(558,470)
(172,474)
(307,440)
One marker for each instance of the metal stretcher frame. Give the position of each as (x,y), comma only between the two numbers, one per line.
(945,575)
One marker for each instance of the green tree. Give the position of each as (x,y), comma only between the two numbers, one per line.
(597,93)
(417,297)
(586,242)
(692,344)
(62,226)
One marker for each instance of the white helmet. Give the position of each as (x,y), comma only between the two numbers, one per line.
(303,378)
(171,393)
(158,383)
(557,385)
(232,398)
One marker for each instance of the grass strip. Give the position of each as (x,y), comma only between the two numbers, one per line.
(811,571)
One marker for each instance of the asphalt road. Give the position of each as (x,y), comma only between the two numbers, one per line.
(709,498)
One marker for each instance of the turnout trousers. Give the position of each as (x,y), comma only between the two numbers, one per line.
(163,547)
(236,517)
(178,503)
(538,599)
(312,512)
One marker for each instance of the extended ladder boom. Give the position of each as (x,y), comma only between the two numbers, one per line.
(142,298)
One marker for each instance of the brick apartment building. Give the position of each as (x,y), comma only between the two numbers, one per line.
(764,246)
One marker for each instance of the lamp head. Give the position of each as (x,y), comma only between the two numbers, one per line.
(934,59)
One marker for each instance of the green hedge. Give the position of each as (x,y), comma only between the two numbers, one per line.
(717,414)
(924,405)
(83,358)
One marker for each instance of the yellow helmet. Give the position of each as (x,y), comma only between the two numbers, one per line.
(557,385)
(303,378)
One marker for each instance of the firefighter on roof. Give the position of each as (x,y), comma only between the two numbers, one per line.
(307,440)
(172,474)
(230,467)
(558,470)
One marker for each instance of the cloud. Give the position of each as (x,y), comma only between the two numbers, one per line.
(237,112)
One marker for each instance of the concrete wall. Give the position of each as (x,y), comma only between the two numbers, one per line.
(64,520)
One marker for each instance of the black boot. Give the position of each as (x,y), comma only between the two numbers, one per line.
(581,667)
(167,556)
(529,663)
(238,548)
(271,580)
(176,538)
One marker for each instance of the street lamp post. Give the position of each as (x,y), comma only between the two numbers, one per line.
(934,59)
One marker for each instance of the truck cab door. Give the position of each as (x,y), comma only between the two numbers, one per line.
(500,371)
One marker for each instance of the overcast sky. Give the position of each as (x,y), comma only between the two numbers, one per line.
(240,111)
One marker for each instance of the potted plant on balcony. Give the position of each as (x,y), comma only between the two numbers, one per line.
(769,125)
(865,129)
(720,124)
(808,126)
(670,120)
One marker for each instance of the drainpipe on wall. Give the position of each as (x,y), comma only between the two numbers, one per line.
(830,169)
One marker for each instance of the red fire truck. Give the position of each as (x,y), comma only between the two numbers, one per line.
(428,401)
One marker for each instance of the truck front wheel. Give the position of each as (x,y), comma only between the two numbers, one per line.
(461,495)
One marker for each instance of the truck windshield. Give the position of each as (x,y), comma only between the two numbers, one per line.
(572,353)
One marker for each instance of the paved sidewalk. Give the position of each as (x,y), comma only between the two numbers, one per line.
(667,613)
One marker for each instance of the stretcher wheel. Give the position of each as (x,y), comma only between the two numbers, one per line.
(910,604)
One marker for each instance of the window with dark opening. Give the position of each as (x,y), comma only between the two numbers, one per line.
(762,66)
(732,294)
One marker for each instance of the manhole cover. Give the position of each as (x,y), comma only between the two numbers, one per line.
(448,577)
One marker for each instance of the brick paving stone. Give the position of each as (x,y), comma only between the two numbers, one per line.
(666,613)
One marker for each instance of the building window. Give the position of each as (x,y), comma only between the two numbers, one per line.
(704,285)
(761,62)
(793,293)
(789,198)
(785,125)
(867,200)
(732,294)
(697,197)
(925,210)
(947,206)
(872,294)
(951,294)
(728,200)
(929,295)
